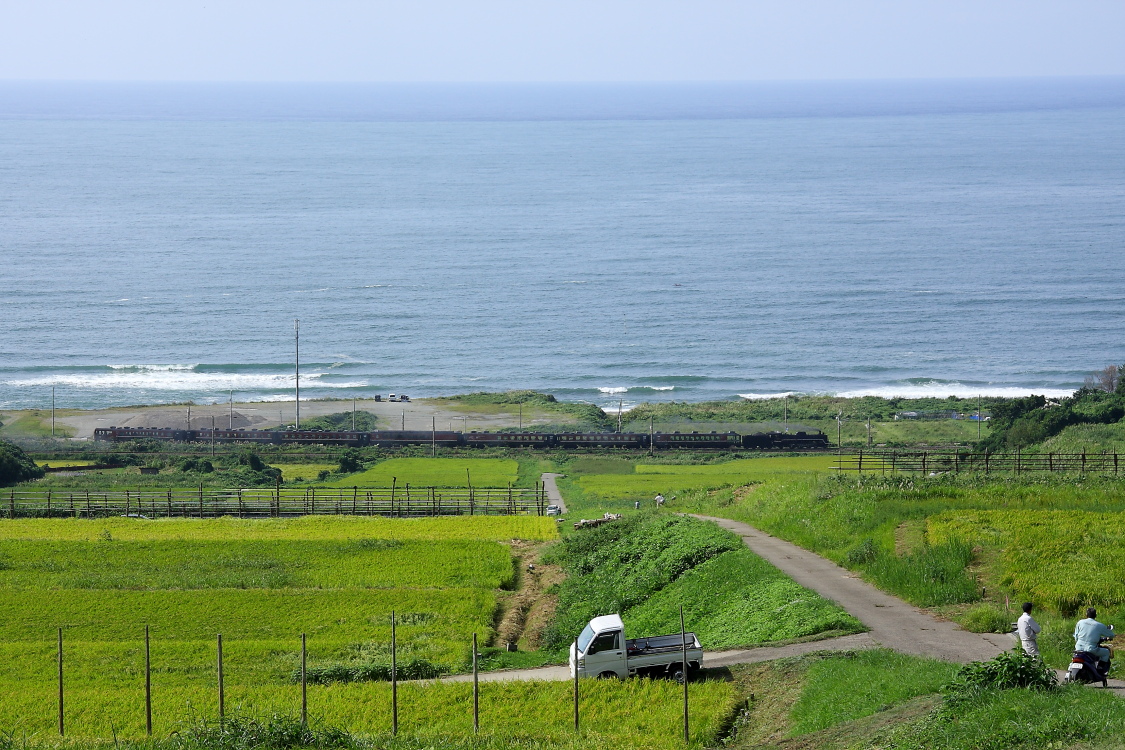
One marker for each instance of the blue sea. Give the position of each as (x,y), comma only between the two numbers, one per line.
(603,243)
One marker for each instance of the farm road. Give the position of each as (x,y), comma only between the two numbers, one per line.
(554,497)
(893,623)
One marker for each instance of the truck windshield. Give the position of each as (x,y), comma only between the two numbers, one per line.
(585,638)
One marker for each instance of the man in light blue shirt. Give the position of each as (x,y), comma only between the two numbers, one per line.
(1087,633)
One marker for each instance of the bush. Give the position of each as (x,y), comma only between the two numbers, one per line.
(15,465)
(413,668)
(349,462)
(244,733)
(985,618)
(1011,669)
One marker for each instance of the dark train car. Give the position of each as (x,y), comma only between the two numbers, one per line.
(115,434)
(766,441)
(389,438)
(696,441)
(508,439)
(601,440)
(801,441)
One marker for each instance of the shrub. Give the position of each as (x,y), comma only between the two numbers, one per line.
(15,465)
(1011,669)
(245,733)
(349,462)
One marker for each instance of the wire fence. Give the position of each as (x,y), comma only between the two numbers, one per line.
(274,502)
(941,461)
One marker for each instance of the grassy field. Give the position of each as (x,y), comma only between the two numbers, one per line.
(886,701)
(303,472)
(435,472)
(259,583)
(616,484)
(648,565)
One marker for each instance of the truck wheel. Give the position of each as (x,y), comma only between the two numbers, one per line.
(677,674)
(608,676)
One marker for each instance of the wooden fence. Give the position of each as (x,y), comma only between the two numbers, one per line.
(925,462)
(274,502)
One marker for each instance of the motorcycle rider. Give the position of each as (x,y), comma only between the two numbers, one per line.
(1088,632)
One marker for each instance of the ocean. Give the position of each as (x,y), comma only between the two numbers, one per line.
(601,243)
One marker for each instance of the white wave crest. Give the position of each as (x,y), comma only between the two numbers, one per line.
(613,390)
(181,380)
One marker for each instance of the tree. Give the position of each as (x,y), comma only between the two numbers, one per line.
(1108,379)
(15,466)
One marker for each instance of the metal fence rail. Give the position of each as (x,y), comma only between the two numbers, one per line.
(274,502)
(957,461)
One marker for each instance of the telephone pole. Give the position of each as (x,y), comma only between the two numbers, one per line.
(297,370)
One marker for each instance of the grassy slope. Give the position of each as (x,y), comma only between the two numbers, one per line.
(648,565)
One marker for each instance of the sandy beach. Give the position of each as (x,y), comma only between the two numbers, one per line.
(422,414)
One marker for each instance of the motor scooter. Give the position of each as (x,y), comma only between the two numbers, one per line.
(1086,667)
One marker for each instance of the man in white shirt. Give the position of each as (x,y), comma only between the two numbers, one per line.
(1028,630)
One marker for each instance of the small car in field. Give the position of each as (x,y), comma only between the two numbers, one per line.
(554,510)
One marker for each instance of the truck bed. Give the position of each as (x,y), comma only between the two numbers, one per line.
(661,644)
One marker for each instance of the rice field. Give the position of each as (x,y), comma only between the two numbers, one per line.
(260,583)
(435,472)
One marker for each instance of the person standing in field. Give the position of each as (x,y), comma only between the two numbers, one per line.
(1028,630)
(659,500)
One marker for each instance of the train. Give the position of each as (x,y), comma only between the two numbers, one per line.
(721,441)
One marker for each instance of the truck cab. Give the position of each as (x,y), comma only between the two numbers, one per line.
(602,650)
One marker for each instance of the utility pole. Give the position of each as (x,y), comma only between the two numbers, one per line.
(297,369)
(839,432)
(978,417)
(786,417)
(404,420)
(620,407)
(521,416)
(869,431)
(353,414)
(52,411)
(231,427)
(212,436)
(189,416)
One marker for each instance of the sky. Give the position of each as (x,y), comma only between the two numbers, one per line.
(555,41)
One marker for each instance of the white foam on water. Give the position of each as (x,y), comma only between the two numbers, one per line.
(931,390)
(173,378)
(613,390)
(761,396)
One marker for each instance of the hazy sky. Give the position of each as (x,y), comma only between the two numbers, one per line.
(553,40)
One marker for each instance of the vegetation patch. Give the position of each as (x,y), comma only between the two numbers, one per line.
(648,564)
(436,472)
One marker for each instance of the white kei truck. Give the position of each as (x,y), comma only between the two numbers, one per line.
(603,651)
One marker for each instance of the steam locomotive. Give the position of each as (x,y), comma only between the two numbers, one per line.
(723,441)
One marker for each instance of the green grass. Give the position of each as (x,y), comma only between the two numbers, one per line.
(260,583)
(738,599)
(36,424)
(168,564)
(634,713)
(1087,438)
(435,472)
(304,472)
(850,686)
(647,565)
(305,528)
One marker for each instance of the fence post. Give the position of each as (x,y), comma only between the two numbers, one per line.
(576,685)
(48,503)
(61,732)
(222,704)
(304,684)
(683,646)
(394,483)
(476,689)
(201,499)
(394,678)
(355,496)
(127,503)
(148,685)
